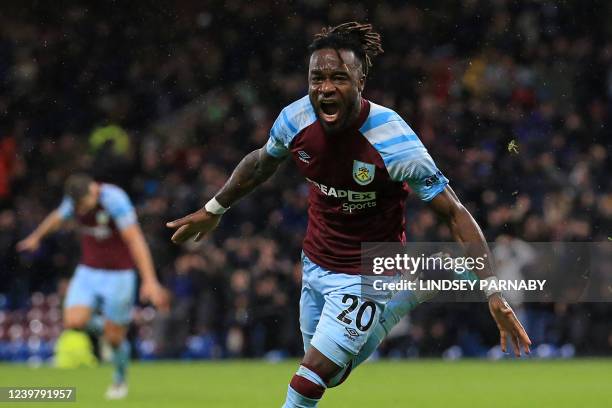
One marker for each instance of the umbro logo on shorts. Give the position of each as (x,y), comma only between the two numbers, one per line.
(352,333)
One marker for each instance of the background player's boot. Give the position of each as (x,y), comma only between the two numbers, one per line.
(117,391)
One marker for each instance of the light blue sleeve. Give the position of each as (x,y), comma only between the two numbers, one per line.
(117,203)
(66,208)
(291,121)
(280,136)
(423,176)
(410,162)
(403,153)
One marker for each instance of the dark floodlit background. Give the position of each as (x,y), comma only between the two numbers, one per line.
(165,100)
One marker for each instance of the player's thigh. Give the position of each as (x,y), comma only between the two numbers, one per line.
(311,300)
(118,293)
(347,320)
(80,298)
(114,333)
(311,307)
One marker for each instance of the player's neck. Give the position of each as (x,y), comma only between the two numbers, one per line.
(356,114)
(358,117)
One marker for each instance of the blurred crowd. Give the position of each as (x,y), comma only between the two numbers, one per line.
(513,100)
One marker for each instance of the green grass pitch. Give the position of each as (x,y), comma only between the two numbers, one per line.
(418,384)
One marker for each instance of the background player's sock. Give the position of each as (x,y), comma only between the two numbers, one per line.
(95,325)
(305,390)
(121,358)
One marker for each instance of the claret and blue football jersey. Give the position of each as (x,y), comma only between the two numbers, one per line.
(102,246)
(358,179)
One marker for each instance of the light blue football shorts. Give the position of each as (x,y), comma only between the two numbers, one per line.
(337,311)
(114,292)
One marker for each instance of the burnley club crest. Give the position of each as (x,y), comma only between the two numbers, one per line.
(363,173)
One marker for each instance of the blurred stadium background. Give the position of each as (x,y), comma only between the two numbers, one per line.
(164,100)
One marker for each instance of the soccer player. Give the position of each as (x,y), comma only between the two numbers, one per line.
(360,160)
(112,245)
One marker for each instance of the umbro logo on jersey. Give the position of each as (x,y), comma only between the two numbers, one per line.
(303,156)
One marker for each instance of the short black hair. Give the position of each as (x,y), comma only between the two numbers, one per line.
(77,186)
(352,36)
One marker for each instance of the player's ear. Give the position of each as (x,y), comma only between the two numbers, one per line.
(361,83)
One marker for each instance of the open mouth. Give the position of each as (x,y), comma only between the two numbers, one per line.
(329,111)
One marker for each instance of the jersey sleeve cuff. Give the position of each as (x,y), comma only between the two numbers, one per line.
(429,193)
(275,150)
(126,220)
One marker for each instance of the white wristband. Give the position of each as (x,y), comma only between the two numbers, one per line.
(491,290)
(214,207)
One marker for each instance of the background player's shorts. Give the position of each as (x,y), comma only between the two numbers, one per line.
(113,291)
(335,317)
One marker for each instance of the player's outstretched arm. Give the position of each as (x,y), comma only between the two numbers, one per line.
(466,231)
(50,224)
(255,168)
(150,290)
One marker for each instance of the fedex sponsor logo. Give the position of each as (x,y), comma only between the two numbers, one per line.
(356,200)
